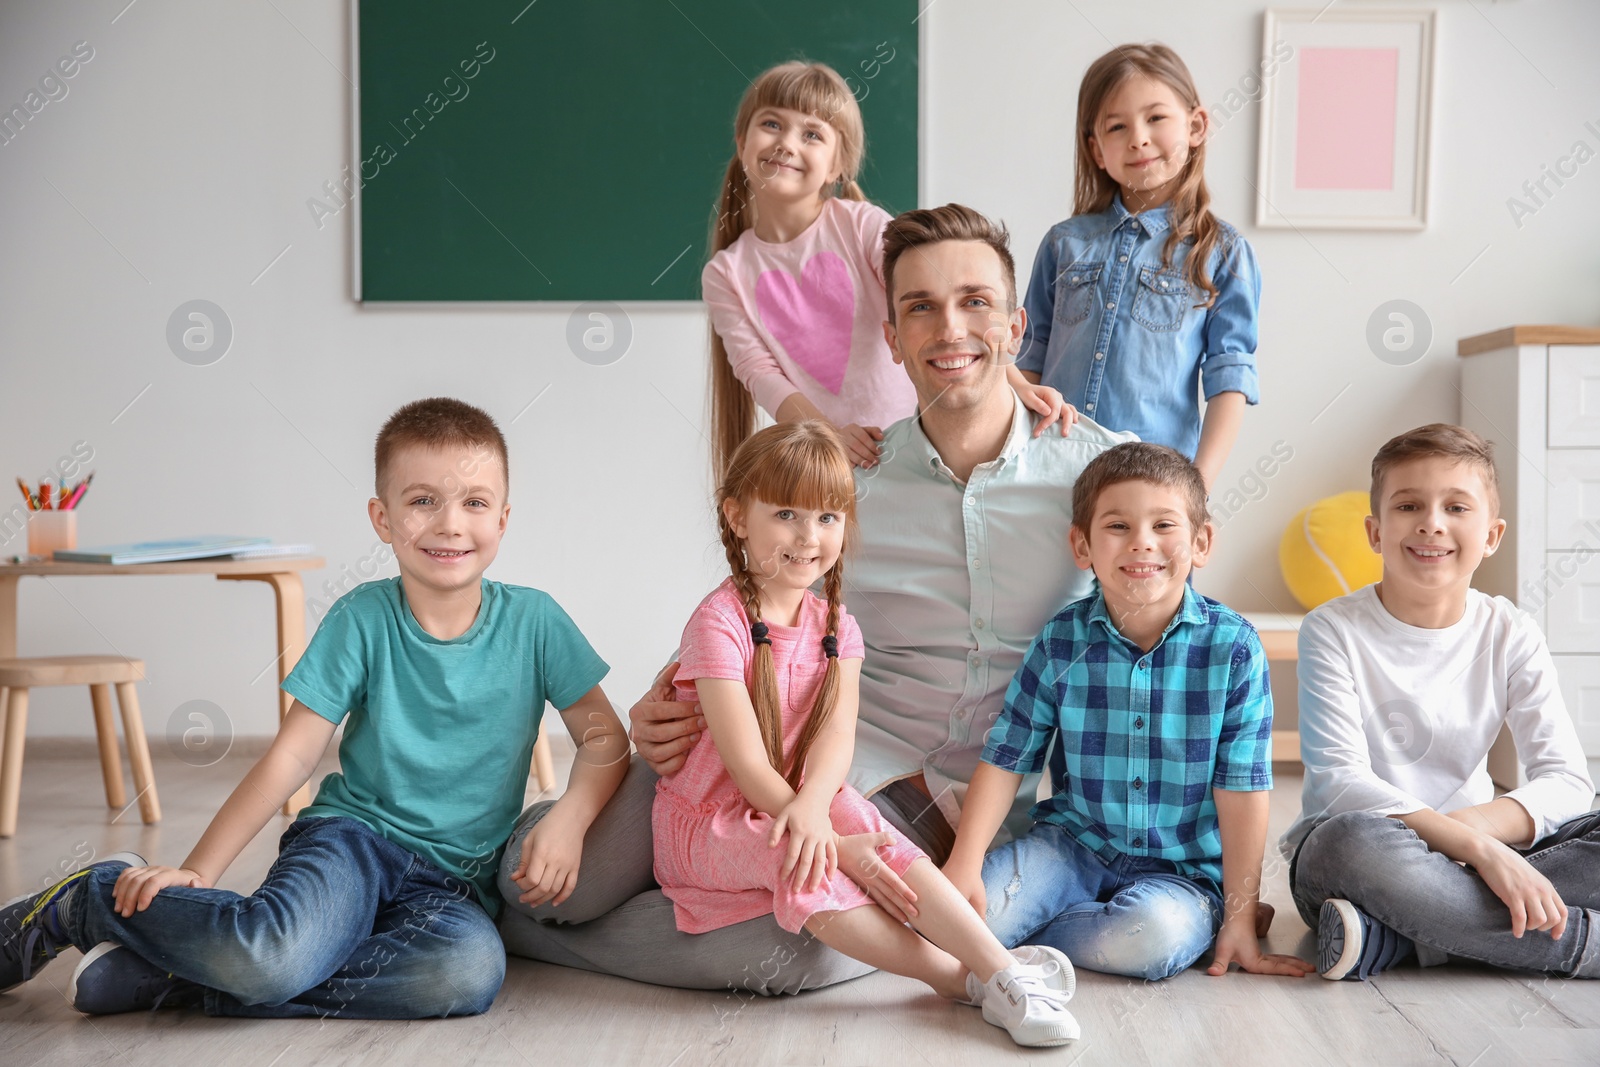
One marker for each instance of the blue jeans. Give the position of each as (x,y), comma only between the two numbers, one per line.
(1380,865)
(1135,916)
(346,924)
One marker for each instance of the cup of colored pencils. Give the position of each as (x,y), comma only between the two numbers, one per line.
(53,515)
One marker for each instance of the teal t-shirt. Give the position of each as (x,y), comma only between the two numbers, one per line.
(439,735)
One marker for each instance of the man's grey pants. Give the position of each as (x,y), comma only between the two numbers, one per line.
(618,922)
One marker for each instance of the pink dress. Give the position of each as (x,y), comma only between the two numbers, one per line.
(711,854)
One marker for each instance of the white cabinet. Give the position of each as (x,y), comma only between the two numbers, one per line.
(1535,392)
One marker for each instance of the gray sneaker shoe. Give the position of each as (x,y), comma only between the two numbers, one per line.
(30,933)
(1352,944)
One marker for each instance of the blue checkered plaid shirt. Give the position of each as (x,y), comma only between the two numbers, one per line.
(1141,737)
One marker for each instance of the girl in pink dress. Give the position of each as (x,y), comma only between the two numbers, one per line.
(750,825)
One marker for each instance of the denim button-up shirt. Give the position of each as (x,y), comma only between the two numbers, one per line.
(951,584)
(1120,335)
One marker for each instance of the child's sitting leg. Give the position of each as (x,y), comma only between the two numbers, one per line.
(346,924)
(1440,908)
(1137,919)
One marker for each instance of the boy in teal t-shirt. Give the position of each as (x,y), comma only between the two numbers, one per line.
(381,902)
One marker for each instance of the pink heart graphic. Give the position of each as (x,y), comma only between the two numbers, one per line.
(812,317)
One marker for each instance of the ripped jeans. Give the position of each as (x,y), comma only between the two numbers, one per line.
(1136,916)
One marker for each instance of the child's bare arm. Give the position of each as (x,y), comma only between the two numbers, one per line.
(1242,820)
(989,800)
(1219,428)
(286,766)
(601,759)
(1528,895)
(552,851)
(828,762)
(731,718)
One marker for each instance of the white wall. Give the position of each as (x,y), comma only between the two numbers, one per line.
(180,162)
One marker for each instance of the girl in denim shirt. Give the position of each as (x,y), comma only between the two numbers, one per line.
(1144,298)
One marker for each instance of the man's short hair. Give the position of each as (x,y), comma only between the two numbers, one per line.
(1138,461)
(1455,443)
(953,222)
(440,422)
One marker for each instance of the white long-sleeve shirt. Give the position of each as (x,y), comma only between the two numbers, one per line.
(1396,718)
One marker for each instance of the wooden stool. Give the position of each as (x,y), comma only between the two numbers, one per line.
(544,768)
(99,673)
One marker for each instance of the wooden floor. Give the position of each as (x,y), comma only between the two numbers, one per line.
(550,1015)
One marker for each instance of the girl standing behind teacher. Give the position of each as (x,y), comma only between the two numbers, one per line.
(1144,298)
(795,282)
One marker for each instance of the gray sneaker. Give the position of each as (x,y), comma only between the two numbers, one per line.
(30,932)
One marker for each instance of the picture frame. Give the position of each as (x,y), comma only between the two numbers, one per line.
(1346,119)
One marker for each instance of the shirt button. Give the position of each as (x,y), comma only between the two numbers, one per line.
(1138,842)
(978,624)
(1138,724)
(1138,783)
(1088,407)
(977,563)
(1074,279)
(961,713)
(1122,259)
(1144,665)
(1099,355)
(971,501)
(1163,284)
(1111,305)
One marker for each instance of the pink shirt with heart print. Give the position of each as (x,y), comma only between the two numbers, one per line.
(807,316)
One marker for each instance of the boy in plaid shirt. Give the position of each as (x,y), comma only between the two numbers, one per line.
(1158,703)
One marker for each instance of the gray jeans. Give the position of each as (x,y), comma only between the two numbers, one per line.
(618,922)
(1382,866)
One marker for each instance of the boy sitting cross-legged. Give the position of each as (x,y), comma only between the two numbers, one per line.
(1401,847)
(381,902)
(1158,704)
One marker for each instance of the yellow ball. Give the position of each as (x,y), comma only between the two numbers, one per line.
(1324,552)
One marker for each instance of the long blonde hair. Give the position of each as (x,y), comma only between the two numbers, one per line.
(1189,210)
(815,89)
(803,465)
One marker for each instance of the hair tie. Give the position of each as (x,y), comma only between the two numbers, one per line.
(830,646)
(758,634)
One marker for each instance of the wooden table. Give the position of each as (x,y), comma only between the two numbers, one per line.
(1280,640)
(282,574)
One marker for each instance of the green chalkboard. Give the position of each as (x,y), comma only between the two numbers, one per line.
(572,150)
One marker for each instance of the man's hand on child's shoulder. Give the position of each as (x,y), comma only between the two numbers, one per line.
(137,886)
(662,728)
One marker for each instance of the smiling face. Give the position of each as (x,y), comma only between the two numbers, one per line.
(1143,137)
(444,510)
(1141,544)
(1436,520)
(955,329)
(786,548)
(788,155)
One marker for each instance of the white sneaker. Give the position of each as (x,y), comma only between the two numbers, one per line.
(1051,965)
(1048,964)
(1031,1012)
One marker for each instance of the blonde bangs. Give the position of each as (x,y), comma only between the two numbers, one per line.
(813,89)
